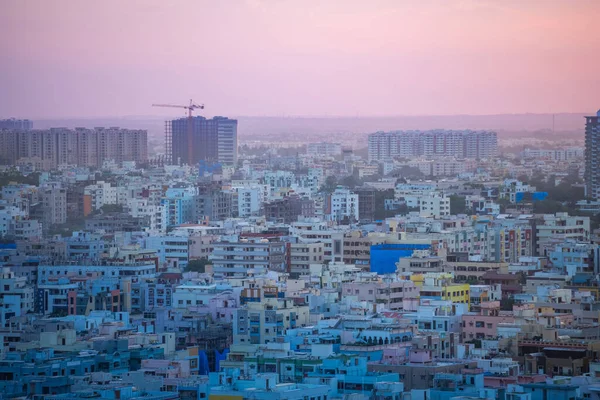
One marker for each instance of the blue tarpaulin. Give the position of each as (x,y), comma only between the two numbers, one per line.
(385,256)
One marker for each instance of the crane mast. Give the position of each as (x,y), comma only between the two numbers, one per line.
(190,128)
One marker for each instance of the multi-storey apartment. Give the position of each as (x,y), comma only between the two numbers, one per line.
(311,230)
(213,203)
(247,256)
(97,195)
(592,156)
(554,229)
(288,209)
(438,143)
(16,296)
(342,205)
(18,124)
(302,255)
(52,208)
(249,200)
(513,242)
(85,147)
(266,321)
(373,288)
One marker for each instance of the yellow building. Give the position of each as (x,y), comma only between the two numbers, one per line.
(441,286)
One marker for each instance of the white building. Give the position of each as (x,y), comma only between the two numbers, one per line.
(278,180)
(171,250)
(432,204)
(343,203)
(314,230)
(250,199)
(555,229)
(568,154)
(100,194)
(144,207)
(8,216)
(16,296)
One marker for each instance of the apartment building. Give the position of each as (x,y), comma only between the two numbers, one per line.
(288,209)
(384,146)
(247,257)
(592,156)
(16,296)
(389,292)
(97,195)
(302,255)
(484,324)
(551,230)
(267,321)
(342,205)
(52,208)
(83,147)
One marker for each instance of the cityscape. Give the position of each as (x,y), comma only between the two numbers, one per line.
(317,227)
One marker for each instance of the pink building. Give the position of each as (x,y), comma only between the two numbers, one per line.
(420,356)
(389,293)
(222,307)
(484,324)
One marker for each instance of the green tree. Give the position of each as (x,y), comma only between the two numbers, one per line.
(548,206)
(457,204)
(380,197)
(330,184)
(506,304)
(350,181)
(13,175)
(59,313)
(197,265)
(112,208)
(408,172)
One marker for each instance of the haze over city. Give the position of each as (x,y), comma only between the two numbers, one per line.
(273,58)
(300,199)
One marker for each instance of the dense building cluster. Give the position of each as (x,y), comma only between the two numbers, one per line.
(425,273)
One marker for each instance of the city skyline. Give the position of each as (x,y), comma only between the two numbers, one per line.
(291,58)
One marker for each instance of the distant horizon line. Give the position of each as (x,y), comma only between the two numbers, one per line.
(300,116)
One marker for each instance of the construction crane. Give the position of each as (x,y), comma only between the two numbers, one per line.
(190,125)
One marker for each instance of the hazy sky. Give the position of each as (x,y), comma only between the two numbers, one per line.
(65,58)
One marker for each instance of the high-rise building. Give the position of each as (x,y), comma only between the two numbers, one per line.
(18,124)
(592,156)
(84,147)
(385,146)
(213,140)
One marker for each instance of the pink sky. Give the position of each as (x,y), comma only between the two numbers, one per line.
(66,58)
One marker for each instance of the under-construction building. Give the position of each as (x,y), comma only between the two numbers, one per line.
(212,140)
